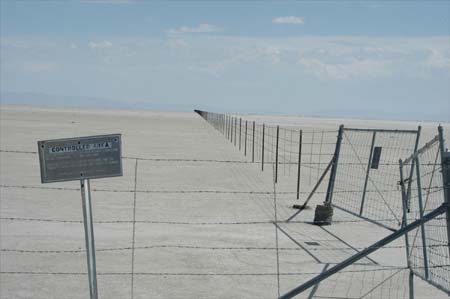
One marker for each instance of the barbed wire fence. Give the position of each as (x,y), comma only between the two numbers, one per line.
(292,156)
(301,157)
(264,198)
(367,186)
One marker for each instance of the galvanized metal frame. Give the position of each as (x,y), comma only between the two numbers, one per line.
(330,189)
(89,237)
(367,172)
(445,161)
(421,211)
(404,206)
(299,162)
(422,149)
(414,159)
(416,146)
(380,130)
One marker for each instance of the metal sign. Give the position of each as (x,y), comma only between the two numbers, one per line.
(80,158)
(376,157)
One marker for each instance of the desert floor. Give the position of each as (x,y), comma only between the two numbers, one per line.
(204,216)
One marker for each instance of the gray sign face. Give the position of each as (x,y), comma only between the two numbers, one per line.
(80,158)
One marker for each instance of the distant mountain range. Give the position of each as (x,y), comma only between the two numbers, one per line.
(52,100)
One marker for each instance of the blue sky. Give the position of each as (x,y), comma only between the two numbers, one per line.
(364,59)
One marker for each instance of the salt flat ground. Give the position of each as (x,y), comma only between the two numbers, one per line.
(204,217)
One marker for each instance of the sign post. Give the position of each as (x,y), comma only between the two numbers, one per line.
(82,159)
(89,236)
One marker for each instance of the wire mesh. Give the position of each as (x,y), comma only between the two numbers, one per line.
(300,156)
(372,187)
(428,252)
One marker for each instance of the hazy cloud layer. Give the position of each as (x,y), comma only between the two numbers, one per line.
(100,45)
(202,28)
(288,20)
(330,58)
(308,73)
(107,1)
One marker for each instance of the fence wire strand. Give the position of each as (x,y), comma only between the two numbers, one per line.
(383,204)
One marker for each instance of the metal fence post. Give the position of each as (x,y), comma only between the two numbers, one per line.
(330,188)
(416,146)
(299,162)
(421,211)
(245,146)
(367,173)
(229,127)
(240,130)
(89,237)
(235,130)
(226,126)
(276,156)
(253,143)
(411,284)
(232,128)
(404,206)
(262,152)
(230,124)
(445,161)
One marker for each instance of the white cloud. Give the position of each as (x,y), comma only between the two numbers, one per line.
(437,60)
(240,57)
(202,28)
(288,20)
(326,58)
(100,45)
(342,71)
